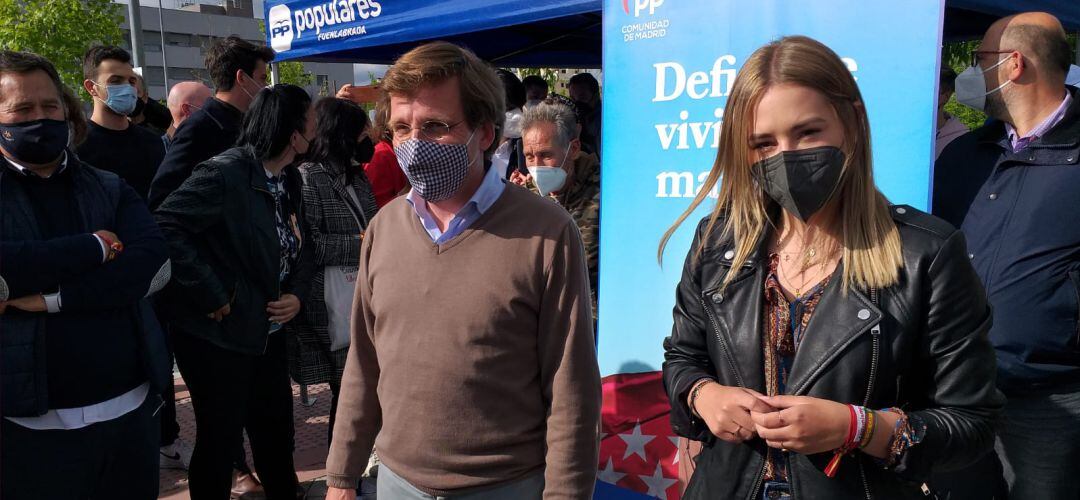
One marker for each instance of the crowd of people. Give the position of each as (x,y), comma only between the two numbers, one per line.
(437,267)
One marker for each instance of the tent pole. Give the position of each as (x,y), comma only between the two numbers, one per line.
(275,75)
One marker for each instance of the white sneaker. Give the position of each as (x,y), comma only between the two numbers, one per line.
(175,456)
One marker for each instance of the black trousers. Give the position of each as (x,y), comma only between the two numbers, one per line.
(231,392)
(170,427)
(116,459)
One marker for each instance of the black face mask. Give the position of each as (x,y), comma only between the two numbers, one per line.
(801,181)
(36,142)
(365,149)
(140,106)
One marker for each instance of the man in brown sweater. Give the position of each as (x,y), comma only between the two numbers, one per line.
(472,353)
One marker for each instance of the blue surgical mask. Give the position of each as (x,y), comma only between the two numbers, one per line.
(121,98)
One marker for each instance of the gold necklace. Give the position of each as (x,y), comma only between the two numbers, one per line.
(807,265)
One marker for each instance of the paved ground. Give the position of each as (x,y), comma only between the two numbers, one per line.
(310,456)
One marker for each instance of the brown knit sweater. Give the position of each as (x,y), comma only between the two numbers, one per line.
(473,361)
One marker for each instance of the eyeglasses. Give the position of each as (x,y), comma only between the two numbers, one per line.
(976,54)
(430,130)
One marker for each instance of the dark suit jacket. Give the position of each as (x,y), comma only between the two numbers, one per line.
(206,133)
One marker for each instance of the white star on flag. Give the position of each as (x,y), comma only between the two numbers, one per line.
(635,442)
(608,474)
(657,483)
(675,441)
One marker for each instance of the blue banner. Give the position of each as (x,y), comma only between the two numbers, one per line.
(668,68)
(381,30)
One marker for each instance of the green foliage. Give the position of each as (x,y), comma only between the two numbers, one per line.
(291,71)
(550,75)
(60,30)
(957,55)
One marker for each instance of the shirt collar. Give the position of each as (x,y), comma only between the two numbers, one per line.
(1041,129)
(485,196)
(16,166)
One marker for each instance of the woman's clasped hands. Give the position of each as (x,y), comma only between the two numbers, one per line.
(801,424)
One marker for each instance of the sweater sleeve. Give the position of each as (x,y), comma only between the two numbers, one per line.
(129,277)
(32,267)
(359,416)
(569,375)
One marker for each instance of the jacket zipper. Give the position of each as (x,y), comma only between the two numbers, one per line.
(756,490)
(875,333)
(723,345)
(738,379)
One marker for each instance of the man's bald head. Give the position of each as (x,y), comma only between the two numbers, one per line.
(1038,36)
(184,98)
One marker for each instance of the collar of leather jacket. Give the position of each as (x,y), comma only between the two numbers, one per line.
(838,320)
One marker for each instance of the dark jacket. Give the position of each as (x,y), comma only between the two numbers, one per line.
(334,236)
(1018,211)
(206,133)
(223,240)
(581,198)
(111,297)
(930,357)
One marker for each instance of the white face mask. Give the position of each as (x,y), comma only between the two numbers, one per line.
(512,126)
(971,86)
(550,179)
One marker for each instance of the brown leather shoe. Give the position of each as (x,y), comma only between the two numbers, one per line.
(247,487)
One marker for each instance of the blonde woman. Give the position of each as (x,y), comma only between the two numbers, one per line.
(826,344)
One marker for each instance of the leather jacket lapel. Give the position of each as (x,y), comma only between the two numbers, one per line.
(737,312)
(836,322)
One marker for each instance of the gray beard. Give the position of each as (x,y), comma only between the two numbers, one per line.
(995,106)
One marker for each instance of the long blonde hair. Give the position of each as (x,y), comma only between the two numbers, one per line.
(872,254)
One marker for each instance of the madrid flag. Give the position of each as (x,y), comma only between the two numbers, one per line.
(638,451)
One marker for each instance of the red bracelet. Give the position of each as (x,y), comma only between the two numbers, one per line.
(853,424)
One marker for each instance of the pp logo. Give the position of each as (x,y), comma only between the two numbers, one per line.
(279,21)
(640,5)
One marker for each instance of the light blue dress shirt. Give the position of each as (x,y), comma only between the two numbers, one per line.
(490,190)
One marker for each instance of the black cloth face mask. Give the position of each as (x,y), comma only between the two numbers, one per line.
(365,149)
(801,181)
(36,142)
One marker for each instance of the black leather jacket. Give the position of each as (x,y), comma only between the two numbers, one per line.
(223,239)
(920,345)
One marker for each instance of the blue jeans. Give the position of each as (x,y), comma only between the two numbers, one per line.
(774,490)
(1039,444)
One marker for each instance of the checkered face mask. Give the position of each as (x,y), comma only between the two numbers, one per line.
(436,171)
